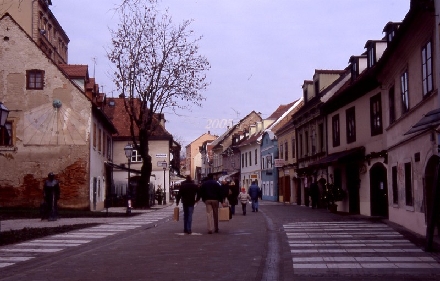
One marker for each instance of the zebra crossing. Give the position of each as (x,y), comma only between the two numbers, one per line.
(353,247)
(12,254)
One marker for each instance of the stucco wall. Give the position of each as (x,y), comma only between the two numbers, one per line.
(46,139)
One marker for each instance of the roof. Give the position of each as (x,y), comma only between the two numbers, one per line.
(341,156)
(75,70)
(430,121)
(115,110)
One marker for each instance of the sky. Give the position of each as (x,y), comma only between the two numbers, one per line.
(260,51)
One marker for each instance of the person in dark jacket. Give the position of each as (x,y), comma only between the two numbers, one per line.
(254,191)
(187,192)
(314,194)
(51,193)
(211,194)
(234,190)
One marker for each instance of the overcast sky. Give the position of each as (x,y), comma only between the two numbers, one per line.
(260,51)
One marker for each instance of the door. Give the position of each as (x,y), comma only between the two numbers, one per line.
(353,185)
(286,197)
(379,190)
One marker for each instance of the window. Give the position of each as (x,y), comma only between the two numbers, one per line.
(250,158)
(286,153)
(371,56)
(394,183)
(306,142)
(269,161)
(256,157)
(245,158)
(404,91)
(351,125)
(354,70)
(321,138)
(136,156)
(99,139)
(6,134)
(293,147)
(313,141)
(392,108)
(335,130)
(376,115)
(316,85)
(104,143)
(94,135)
(300,152)
(34,79)
(281,151)
(408,185)
(109,147)
(242,160)
(427,68)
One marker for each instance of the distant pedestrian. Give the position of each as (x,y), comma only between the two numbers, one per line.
(314,194)
(254,192)
(232,196)
(211,194)
(244,198)
(187,192)
(51,193)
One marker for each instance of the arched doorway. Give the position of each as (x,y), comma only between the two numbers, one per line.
(429,185)
(378,190)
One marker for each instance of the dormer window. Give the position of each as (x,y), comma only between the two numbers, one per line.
(390,30)
(371,55)
(316,85)
(354,70)
(305,95)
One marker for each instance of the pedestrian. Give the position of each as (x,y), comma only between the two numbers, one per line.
(314,194)
(187,192)
(244,198)
(233,196)
(254,192)
(211,194)
(51,194)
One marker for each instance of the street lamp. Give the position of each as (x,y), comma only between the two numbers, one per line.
(164,166)
(128,149)
(4,112)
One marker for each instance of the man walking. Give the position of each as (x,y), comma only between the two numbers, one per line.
(254,192)
(211,193)
(187,192)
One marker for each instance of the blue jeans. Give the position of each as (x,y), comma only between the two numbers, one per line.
(254,205)
(187,218)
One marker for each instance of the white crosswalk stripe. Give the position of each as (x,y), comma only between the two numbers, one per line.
(13,254)
(357,246)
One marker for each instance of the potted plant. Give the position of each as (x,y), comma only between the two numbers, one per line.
(332,194)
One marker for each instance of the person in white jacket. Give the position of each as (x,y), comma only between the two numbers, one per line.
(244,198)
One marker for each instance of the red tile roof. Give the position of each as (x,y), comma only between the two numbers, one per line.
(115,110)
(76,70)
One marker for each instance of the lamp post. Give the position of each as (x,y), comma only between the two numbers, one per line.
(164,166)
(4,112)
(128,149)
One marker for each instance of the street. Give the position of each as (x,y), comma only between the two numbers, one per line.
(280,242)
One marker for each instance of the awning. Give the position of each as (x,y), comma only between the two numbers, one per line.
(430,121)
(229,176)
(342,156)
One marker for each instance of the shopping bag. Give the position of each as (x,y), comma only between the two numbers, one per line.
(223,214)
(176,214)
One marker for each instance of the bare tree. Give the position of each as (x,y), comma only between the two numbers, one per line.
(157,66)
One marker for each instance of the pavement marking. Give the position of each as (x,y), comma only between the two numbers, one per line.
(353,246)
(59,242)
